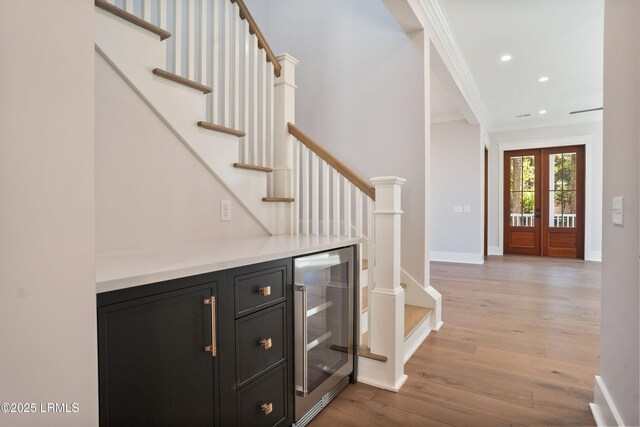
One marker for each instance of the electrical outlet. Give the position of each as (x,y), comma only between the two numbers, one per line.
(225,210)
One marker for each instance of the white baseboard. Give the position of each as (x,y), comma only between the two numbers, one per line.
(594,256)
(464,258)
(603,409)
(493,250)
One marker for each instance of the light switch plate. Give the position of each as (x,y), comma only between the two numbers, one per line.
(617,210)
(467,208)
(457,209)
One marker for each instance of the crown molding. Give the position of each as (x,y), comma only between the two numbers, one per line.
(433,19)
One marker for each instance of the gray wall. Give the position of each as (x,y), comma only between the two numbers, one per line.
(47,276)
(360,94)
(457,179)
(619,364)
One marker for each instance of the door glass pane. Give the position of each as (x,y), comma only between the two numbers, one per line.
(528,173)
(562,193)
(522,195)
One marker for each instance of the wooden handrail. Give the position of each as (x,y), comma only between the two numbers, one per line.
(262,41)
(342,169)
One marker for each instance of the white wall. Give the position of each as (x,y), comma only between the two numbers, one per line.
(620,330)
(457,154)
(48,350)
(361,94)
(150,189)
(539,137)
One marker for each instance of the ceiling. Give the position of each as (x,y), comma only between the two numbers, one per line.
(560,39)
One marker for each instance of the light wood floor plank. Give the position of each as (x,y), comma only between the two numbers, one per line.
(520,346)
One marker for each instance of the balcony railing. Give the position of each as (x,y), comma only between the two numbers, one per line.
(528,220)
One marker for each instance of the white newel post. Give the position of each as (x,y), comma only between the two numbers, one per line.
(386,336)
(284,166)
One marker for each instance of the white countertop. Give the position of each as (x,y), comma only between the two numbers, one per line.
(126,269)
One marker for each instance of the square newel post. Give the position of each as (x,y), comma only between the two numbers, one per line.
(387,296)
(283,164)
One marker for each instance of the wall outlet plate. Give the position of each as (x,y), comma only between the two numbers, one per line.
(617,210)
(225,210)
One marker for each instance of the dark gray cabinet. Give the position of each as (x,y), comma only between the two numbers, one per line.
(155,359)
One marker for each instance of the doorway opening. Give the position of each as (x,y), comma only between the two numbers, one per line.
(544,201)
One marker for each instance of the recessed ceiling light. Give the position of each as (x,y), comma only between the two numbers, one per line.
(542,112)
(505,58)
(543,79)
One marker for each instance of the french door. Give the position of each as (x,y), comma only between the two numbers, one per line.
(544,202)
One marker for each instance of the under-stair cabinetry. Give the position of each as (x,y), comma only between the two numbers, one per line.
(206,350)
(154,369)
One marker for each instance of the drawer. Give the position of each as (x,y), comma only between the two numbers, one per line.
(259,289)
(264,402)
(260,342)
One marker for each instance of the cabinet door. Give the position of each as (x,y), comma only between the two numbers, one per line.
(154,370)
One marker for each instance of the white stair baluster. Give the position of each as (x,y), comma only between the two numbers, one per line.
(226,36)
(246,48)
(263,106)
(358,212)
(128,5)
(146,10)
(295,217)
(270,119)
(255,67)
(347,208)
(236,66)
(305,190)
(215,60)
(336,203)
(162,22)
(191,40)
(177,36)
(315,196)
(326,198)
(204,78)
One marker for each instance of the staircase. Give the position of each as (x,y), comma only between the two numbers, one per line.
(207,71)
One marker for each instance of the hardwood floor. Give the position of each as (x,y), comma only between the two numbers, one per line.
(519,346)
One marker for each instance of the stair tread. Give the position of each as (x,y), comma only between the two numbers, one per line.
(218,128)
(413,317)
(365,351)
(108,7)
(184,81)
(252,167)
(278,199)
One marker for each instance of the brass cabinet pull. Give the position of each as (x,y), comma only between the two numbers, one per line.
(266,408)
(266,291)
(266,343)
(212,348)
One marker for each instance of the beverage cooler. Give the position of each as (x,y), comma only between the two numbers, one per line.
(324,329)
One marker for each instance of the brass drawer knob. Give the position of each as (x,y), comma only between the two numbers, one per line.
(266,291)
(266,343)
(266,408)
